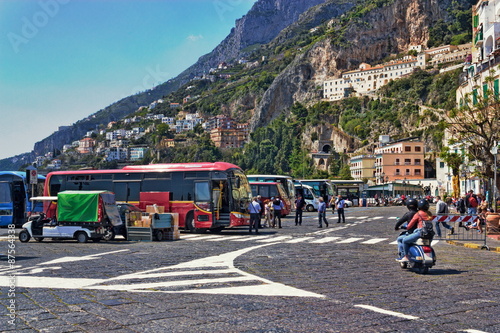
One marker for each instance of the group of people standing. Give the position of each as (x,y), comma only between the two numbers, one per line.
(336,203)
(272,213)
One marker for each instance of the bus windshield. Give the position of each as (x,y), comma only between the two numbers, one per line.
(15,192)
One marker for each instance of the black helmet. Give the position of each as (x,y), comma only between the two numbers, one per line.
(423,204)
(412,204)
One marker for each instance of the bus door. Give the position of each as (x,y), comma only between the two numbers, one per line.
(202,197)
(18,202)
(127,190)
(220,193)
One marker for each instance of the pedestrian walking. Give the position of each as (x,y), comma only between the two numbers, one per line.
(254,210)
(299,208)
(322,213)
(268,211)
(332,203)
(277,207)
(340,204)
(442,209)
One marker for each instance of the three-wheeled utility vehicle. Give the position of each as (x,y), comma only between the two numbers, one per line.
(80,215)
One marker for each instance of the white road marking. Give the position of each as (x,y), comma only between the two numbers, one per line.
(377,217)
(226,238)
(206,237)
(474,331)
(72,259)
(349,240)
(186,236)
(249,238)
(374,241)
(275,239)
(387,312)
(325,240)
(299,240)
(361,217)
(213,270)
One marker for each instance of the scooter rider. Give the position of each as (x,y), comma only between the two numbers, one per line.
(414,226)
(412,205)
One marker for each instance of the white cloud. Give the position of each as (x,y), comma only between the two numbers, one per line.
(194,38)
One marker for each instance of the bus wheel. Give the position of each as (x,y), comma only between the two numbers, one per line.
(190,223)
(24,236)
(82,237)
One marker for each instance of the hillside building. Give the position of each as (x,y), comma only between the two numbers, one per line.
(485,53)
(401,160)
(367,79)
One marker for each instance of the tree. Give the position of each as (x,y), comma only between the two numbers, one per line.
(475,123)
(454,161)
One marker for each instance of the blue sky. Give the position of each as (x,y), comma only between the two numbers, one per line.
(62,60)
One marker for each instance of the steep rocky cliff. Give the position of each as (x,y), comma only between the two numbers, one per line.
(386,30)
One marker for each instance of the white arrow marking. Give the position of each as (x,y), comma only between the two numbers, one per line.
(212,270)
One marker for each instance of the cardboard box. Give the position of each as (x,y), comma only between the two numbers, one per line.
(155,209)
(173,235)
(146,221)
(135,216)
(175,219)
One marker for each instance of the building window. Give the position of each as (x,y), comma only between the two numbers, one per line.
(418,148)
(417,172)
(407,148)
(398,172)
(407,161)
(407,172)
(417,161)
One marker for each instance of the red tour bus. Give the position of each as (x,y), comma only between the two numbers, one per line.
(206,195)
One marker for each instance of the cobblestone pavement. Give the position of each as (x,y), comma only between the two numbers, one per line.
(296,279)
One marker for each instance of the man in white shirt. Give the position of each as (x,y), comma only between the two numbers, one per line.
(254,210)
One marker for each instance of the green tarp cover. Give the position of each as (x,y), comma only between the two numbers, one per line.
(78,206)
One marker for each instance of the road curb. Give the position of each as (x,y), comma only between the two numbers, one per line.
(474,246)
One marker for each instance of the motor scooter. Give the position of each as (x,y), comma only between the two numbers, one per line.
(421,254)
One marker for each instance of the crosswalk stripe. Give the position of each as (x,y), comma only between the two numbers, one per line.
(224,238)
(325,240)
(377,217)
(207,237)
(374,241)
(275,239)
(249,238)
(349,240)
(299,240)
(361,217)
(186,236)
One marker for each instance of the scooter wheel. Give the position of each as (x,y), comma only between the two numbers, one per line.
(403,265)
(423,270)
(24,236)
